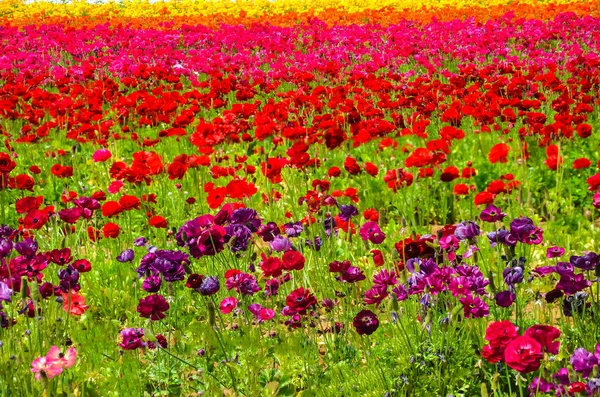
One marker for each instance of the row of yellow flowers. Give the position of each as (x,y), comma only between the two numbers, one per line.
(161,14)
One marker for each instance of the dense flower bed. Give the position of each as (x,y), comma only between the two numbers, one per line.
(296,203)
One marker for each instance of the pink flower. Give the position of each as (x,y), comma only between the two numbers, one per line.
(228,304)
(67,360)
(101,155)
(114,187)
(47,366)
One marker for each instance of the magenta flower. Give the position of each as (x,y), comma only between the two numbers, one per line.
(371,231)
(154,307)
(474,307)
(101,155)
(228,304)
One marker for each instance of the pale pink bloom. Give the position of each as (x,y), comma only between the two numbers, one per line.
(67,360)
(101,155)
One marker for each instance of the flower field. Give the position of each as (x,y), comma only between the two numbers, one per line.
(300,198)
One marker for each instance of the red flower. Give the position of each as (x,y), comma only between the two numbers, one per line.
(111,230)
(500,333)
(22,182)
(351,165)
(7,164)
(130,202)
(484,198)
(28,204)
(366,322)
(581,163)
(371,169)
(35,220)
(177,170)
(216,197)
(498,153)
(271,267)
(293,260)
(545,335)
(523,354)
(377,257)
(158,222)
(584,130)
(460,189)
(450,173)
(300,300)
(111,208)
(334,172)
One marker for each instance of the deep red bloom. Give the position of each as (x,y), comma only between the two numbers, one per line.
(546,336)
(351,165)
(272,266)
(300,300)
(111,208)
(154,307)
(130,202)
(35,220)
(500,333)
(111,230)
(293,260)
(366,322)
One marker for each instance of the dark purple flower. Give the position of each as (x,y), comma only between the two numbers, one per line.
(46,290)
(170,264)
(6,231)
(505,298)
(564,268)
(467,231)
(329,225)
(562,377)
(583,361)
(366,322)
(27,247)
(539,385)
(268,231)
(351,275)
(247,217)
(243,283)
(491,214)
(589,261)
(202,236)
(152,283)
(69,279)
(126,256)
(501,236)
(140,242)
(271,287)
(209,286)
(314,244)
(239,236)
(513,275)
(525,231)
(572,283)
(347,212)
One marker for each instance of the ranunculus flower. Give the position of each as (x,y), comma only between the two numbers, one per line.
(101,155)
(523,354)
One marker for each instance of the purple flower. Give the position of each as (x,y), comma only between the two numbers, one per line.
(513,275)
(501,236)
(583,361)
(140,242)
(293,229)
(6,246)
(69,279)
(243,283)
(505,298)
(271,287)
(329,225)
(126,256)
(5,292)
(525,231)
(209,286)
(400,292)
(87,206)
(170,264)
(366,322)
(27,247)
(375,295)
(314,244)
(280,244)
(539,385)
(371,231)
(239,236)
(201,236)
(132,338)
(152,283)
(572,283)
(588,261)
(385,278)
(351,275)
(562,377)
(268,231)
(467,231)
(474,307)
(491,214)
(247,217)
(347,212)
(555,252)
(261,313)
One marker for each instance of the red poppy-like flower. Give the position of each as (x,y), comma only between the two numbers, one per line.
(293,260)
(371,169)
(130,202)
(271,266)
(111,230)
(216,197)
(334,172)
(177,170)
(500,333)
(351,165)
(460,189)
(7,164)
(111,208)
(22,182)
(449,174)
(499,153)
(523,354)
(377,257)
(74,304)
(28,204)
(300,300)
(546,336)
(35,220)
(484,198)
(158,222)
(581,163)
(153,307)
(584,130)
(82,265)
(365,322)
